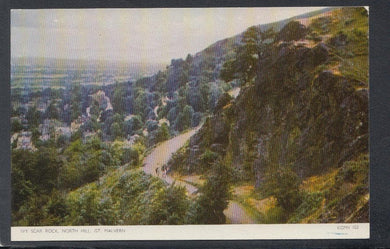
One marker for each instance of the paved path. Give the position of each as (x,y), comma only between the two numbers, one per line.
(160,155)
(235,214)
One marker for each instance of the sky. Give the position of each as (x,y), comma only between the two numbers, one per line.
(133,35)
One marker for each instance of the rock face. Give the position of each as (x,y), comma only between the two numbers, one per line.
(301,113)
(297,116)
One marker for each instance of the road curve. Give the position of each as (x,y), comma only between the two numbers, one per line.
(235,214)
(160,155)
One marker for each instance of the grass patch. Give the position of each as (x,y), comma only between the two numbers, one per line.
(310,203)
(319,183)
(250,210)
(247,197)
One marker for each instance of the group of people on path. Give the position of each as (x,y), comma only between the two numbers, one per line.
(163,170)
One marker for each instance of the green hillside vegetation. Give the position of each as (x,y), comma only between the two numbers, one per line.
(292,147)
(302,114)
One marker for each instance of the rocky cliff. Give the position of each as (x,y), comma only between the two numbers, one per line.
(304,115)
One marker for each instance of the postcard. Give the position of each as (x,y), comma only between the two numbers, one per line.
(189,123)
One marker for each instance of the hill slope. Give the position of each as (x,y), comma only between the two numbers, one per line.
(303,116)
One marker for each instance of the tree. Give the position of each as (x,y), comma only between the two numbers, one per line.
(132,125)
(76,102)
(141,104)
(162,133)
(292,31)
(215,195)
(118,99)
(223,101)
(256,45)
(34,178)
(189,59)
(169,206)
(16,126)
(283,183)
(33,117)
(116,130)
(52,111)
(21,185)
(130,155)
(95,110)
(184,119)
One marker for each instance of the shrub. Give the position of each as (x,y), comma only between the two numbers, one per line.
(310,203)
(283,183)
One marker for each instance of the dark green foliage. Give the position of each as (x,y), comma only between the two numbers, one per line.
(292,31)
(177,74)
(321,24)
(222,101)
(347,199)
(130,155)
(34,176)
(91,125)
(16,126)
(169,207)
(151,125)
(196,118)
(85,163)
(178,162)
(249,56)
(75,102)
(184,119)
(87,209)
(55,209)
(34,117)
(228,72)
(162,133)
(132,125)
(133,198)
(354,171)
(52,111)
(207,159)
(214,197)
(310,203)
(22,187)
(118,99)
(283,183)
(40,168)
(63,141)
(116,130)
(141,104)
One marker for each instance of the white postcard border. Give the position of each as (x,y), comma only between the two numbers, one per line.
(192,232)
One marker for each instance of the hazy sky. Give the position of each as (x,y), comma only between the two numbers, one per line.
(156,35)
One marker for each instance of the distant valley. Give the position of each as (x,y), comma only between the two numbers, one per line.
(58,73)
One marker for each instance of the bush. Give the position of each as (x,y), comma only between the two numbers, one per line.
(16,126)
(283,183)
(275,215)
(215,195)
(130,155)
(354,171)
(292,31)
(310,203)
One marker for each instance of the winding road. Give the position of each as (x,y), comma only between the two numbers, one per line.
(160,155)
